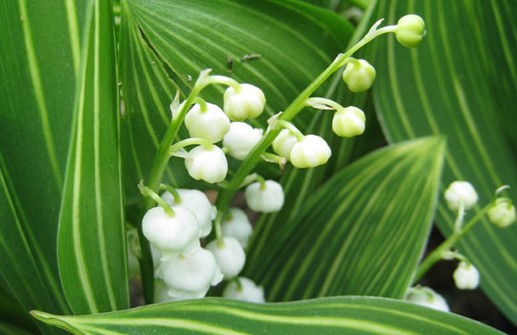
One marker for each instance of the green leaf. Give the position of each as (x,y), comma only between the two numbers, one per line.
(461,82)
(338,315)
(8,329)
(38,70)
(361,233)
(166,44)
(91,238)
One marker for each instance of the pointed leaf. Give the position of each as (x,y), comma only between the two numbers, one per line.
(339,315)
(91,241)
(361,233)
(461,82)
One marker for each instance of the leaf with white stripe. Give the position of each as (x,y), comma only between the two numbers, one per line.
(329,316)
(91,238)
(461,82)
(361,233)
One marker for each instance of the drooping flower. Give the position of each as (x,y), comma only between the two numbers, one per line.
(246,102)
(264,197)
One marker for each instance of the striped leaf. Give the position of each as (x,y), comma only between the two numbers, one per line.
(8,329)
(38,72)
(338,315)
(461,82)
(91,238)
(166,43)
(361,233)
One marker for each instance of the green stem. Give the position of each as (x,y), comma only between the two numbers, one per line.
(155,177)
(226,195)
(437,254)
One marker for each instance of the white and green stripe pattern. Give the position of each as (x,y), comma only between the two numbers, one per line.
(461,82)
(338,315)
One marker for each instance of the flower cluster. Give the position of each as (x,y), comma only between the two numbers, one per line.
(188,257)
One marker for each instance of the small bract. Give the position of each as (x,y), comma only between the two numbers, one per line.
(502,213)
(211,124)
(349,122)
(229,255)
(198,203)
(310,152)
(245,289)
(171,233)
(208,164)
(359,75)
(283,143)
(240,139)
(192,274)
(466,276)
(460,192)
(410,30)
(264,197)
(425,296)
(237,224)
(245,103)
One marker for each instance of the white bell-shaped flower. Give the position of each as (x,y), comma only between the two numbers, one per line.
(283,143)
(240,139)
(460,192)
(425,296)
(410,30)
(198,203)
(236,224)
(245,290)
(245,103)
(229,255)
(175,233)
(502,213)
(264,197)
(310,152)
(466,276)
(349,122)
(211,124)
(208,164)
(191,275)
(359,75)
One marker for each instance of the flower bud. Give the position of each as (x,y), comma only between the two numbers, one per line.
(359,75)
(191,274)
(171,233)
(349,122)
(207,164)
(240,139)
(198,203)
(466,276)
(267,197)
(284,142)
(229,255)
(211,124)
(410,30)
(424,296)
(502,213)
(237,225)
(244,290)
(310,152)
(246,102)
(460,192)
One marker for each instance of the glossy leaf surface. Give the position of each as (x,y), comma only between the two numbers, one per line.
(352,236)
(461,82)
(339,315)
(91,240)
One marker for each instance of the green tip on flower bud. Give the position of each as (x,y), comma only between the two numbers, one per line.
(410,30)
(359,75)
(502,213)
